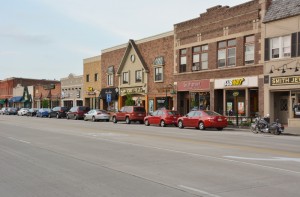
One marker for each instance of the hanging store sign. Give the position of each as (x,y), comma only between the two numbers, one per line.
(288,80)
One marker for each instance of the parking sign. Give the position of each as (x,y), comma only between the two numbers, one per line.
(108,98)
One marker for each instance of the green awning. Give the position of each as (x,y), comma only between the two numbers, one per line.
(2,102)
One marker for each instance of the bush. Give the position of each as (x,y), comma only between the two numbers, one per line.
(230,122)
(245,124)
(129,101)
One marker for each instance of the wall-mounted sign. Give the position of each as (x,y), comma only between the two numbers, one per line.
(193,85)
(234,82)
(288,80)
(90,89)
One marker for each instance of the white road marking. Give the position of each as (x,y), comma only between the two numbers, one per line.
(15,139)
(265,159)
(199,191)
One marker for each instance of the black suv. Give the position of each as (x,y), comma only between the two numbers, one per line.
(58,112)
(77,112)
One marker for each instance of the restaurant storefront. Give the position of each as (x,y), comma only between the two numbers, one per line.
(237,96)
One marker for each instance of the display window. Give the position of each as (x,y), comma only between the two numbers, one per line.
(235,102)
(200,100)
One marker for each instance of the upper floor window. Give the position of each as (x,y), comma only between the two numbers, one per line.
(227,53)
(110,80)
(138,76)
(249,49)
(280,47)
(158,74)
(87,78)
(96,76)
(182,65)
(200,58)
(125,77)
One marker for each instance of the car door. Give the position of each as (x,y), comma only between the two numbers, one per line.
(152,117)
(189,119)
(195,119)
(121,114)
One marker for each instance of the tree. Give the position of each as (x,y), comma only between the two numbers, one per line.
(45,103)
(129,101)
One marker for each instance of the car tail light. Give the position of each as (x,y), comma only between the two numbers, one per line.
(98,113)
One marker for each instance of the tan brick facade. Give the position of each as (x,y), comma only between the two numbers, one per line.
(92,81)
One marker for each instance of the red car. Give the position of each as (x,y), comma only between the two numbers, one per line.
(203,119)
(162,117)
(130,113)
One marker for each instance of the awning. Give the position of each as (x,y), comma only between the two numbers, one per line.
(2,102)
(15,99)
(111,91)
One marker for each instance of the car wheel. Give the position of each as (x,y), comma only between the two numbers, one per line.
(107,120)
(127,120)
(162,123)
(76,117)
(67,117)
(49,116)
(147,122)
(220,129)
(57,116)
(93,119)
(201,126)
(114,119)
(180,124)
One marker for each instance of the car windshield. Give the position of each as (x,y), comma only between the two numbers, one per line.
(212,113)
(139,109)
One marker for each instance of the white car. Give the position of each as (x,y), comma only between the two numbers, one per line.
(22,111)
(97,114)
(3,110)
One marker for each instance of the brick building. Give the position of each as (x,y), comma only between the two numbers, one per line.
(218,60)
(91,81)
(72,91)
(142,68)
(9,98)
(47,96)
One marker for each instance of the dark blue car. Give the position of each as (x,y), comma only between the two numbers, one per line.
(43,112)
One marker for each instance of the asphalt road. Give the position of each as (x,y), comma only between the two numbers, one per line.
(42,157)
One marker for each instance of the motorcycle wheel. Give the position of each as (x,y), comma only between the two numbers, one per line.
(277,132)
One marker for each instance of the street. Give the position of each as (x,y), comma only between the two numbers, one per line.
(58,157)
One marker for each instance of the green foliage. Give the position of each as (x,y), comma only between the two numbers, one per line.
(45,103)
(230,122)
(129,101)
(245,124)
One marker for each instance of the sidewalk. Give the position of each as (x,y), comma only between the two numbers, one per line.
(293,131)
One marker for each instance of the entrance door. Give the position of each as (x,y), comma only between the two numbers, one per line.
(281,109)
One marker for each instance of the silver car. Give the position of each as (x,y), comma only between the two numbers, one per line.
(97,114)
(22,111)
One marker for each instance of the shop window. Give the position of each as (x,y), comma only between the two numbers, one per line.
(158,74)
(125,77)
(227,53)
(249,49)
(235,104)
(138,76)
(199,101)
(182,65)
(200,58)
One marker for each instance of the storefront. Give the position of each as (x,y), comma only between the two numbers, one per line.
(109,97)
(137,94)
(237,96)
(283,94)
(193,95)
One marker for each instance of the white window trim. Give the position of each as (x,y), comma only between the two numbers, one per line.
(281,47)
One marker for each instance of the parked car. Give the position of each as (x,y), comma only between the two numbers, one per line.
(77,112)
(58,112)
(43,112)
(96,115)
(130,113)
(22,111)
(3,110)
(31,112)
(162,117)
(202,119)
(11,111)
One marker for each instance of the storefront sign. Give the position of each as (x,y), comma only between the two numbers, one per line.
(193,85)
(289,80)
(234,82)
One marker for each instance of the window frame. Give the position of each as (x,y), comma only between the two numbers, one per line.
(182,56)
(125,76)
(248,44)
(110,80)
(281,46)
(158,68)
(201,50)
(96,76)
(138,80)
(87,78)
(224,47)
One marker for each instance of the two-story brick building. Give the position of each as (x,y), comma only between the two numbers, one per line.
(143,69)
(218,60)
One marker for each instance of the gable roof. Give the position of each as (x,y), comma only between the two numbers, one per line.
(280,9)
(131,44)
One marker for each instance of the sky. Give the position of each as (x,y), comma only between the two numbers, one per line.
(48,39)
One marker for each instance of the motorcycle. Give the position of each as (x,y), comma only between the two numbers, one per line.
(262,125)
